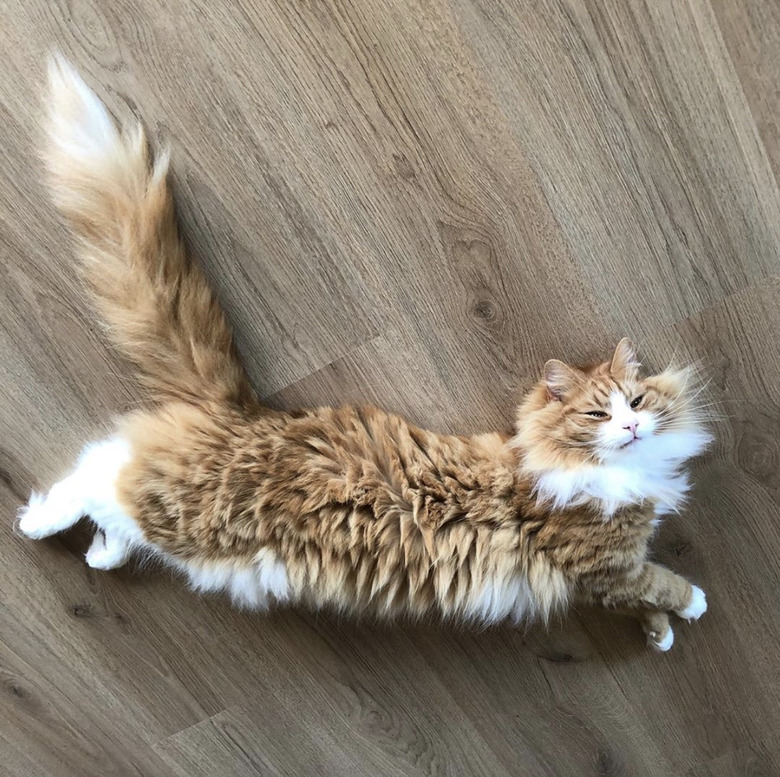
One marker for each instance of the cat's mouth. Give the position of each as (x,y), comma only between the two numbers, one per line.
(630,442)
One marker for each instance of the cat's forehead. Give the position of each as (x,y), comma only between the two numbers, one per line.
(601,387)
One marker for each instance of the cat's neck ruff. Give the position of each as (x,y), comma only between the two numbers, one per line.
(650,471)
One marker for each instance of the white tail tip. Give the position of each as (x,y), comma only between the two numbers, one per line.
(79,124)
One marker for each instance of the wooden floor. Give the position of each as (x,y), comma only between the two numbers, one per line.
(412,203)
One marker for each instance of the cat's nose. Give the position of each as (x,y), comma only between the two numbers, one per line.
(632,427)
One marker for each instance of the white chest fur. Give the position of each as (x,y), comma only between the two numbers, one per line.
(649,471)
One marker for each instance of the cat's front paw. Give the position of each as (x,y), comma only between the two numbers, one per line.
(696,607)
(660,641)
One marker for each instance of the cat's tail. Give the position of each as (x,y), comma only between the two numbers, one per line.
(158,307)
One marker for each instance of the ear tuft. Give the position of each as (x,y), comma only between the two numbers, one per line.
(624,360)
(560,379)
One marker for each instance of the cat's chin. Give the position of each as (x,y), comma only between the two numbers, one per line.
(625,452)
(676,446)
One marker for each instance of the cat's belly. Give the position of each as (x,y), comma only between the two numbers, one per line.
(496,600)
(264,583)
(257,584)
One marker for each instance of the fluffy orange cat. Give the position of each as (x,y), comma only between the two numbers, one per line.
(348,508)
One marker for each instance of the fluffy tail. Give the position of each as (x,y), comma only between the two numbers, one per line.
(158,307)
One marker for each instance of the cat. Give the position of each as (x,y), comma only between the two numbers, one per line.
(351,509)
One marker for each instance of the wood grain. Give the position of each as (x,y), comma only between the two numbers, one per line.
(413,204)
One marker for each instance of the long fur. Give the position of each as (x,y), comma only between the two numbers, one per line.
(156,303)
(352,508)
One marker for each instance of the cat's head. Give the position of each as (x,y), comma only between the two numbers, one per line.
(610,413)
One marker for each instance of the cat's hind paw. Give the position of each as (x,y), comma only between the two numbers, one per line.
(35,519)
(107,551)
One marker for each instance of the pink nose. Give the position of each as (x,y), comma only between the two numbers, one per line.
(632,427)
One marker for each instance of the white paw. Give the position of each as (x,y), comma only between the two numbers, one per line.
(98,556)
(36,520)
(664,644)
(697,606)
(103,560)
(105,554)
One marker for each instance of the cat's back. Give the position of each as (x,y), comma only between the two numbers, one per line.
(199,474)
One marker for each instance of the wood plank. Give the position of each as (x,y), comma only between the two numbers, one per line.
(413,204)
(751,34)
(642,98)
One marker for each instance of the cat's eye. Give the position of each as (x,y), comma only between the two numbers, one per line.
(596,413)
(636,402)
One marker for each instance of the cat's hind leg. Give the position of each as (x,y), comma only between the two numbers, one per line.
(90,490)
(43,515)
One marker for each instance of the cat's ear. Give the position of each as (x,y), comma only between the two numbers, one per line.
(560,379)
(624,360)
